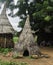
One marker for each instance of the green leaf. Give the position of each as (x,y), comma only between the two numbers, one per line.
(47,18)
(49,8)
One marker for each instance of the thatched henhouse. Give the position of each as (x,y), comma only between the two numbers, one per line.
(6,30)
(27,45)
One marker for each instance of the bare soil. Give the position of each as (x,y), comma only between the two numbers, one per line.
(40,61)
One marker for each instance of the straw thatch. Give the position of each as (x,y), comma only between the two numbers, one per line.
(27,45)
(6,30)
(5,26)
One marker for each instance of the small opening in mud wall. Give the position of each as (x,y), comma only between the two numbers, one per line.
(26,53)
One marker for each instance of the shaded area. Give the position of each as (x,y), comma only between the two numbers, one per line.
(26,53)
(6,40)
(45,39)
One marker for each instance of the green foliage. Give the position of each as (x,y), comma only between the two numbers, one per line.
(45,3)
(15,39)
(23,6)
(40,13)
(49,8)
(47,18)
(21,24)
(5,50)
(12,63)
(43,15)
(23,63)
(38,6)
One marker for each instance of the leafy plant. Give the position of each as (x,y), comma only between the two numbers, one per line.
(15,39)
(5,50)
(12,63)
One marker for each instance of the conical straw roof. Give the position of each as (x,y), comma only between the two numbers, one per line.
(5,26)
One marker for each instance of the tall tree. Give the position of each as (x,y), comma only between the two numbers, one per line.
(40,12)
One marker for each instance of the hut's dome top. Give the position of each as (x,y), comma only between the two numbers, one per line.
(5,26)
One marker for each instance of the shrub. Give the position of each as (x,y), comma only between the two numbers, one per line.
(12,63)
(15,39)
(5,50)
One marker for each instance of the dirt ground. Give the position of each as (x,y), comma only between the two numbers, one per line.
(40,61)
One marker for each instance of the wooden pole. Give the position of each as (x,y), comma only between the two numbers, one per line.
(5,42)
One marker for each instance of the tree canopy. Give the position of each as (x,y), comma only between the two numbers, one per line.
(40,11)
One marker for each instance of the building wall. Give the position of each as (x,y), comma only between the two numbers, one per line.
(6,40)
